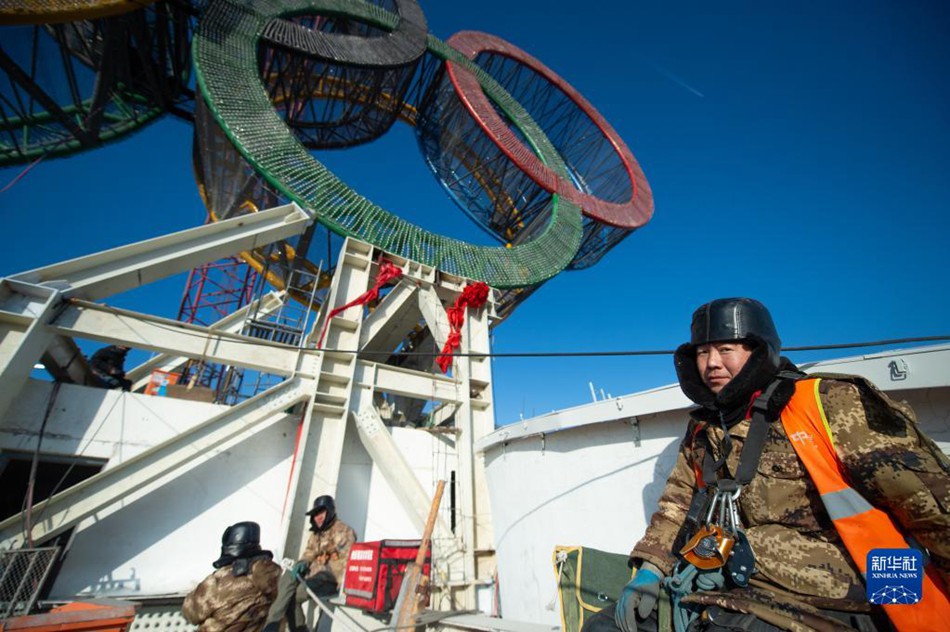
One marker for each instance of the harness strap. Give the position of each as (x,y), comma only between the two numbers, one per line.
(697,470)
(754,442)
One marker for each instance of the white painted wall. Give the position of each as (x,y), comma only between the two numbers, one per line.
(95,422)
(589,486)
(164,541)
(387,519)
(933,412)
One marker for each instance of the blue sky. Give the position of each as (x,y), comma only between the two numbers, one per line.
(797,152)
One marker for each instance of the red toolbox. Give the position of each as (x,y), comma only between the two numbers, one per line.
(374,572)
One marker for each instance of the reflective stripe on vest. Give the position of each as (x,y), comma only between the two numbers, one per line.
(860,525)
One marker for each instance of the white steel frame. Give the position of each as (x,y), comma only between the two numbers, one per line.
(335,386)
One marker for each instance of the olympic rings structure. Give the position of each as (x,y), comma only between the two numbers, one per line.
(82,73)
(523,154)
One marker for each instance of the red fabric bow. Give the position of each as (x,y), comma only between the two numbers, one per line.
(473,296)
(387,272)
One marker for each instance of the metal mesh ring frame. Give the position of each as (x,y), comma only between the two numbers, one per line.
(226,69)
(481,179)
(107,98)
(630,214)
(403,45)
(57,11)
(342,89)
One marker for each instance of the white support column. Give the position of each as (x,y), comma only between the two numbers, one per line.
(320,452)
(474,419)
(158,465)
(380,331)
(434,313)
(464,422)
(481,409)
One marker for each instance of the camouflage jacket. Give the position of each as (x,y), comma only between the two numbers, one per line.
(799,554)
(328,550)
(225,603)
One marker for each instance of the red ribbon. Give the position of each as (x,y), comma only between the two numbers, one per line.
(473,296)
(387,272)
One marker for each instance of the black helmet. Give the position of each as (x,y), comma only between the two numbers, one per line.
(735,319)
(319,504)
(722,320)
(240,540)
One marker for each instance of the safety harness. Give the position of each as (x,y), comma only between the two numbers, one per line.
(718,542)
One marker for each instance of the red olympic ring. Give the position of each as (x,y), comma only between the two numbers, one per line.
(631,214)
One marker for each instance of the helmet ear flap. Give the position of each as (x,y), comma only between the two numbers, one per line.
(684,359)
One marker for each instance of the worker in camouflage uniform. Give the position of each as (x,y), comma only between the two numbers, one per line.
(236,596)
(108,367)
(743,538)
(321,568)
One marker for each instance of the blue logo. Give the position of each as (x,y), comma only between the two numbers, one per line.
(895,576)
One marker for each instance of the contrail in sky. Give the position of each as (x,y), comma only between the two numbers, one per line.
(669,75)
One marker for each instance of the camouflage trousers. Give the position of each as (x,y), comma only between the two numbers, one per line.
(291,595)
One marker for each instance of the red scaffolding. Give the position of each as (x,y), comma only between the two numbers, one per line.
(213,291)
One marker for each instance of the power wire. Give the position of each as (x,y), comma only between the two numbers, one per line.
(581,354)
(34,464)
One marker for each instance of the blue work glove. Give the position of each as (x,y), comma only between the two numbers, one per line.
(301,568)
(638,598)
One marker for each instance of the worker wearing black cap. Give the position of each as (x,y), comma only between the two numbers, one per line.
(322,565)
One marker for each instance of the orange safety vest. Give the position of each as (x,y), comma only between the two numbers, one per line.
(861,526)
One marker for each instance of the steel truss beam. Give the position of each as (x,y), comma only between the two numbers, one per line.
(110,325)
(158,465)
(18,76)
(30,300)
(112,271)
(232,324)
(23,335)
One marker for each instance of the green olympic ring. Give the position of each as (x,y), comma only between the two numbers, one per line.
(225,56)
